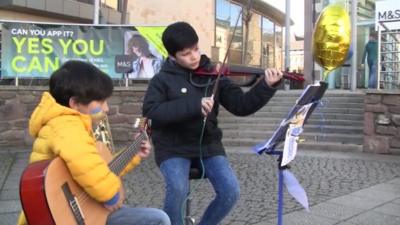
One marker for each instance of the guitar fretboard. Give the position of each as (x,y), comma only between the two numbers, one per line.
(119,162)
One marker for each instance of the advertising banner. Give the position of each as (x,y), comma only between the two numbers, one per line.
(36,50)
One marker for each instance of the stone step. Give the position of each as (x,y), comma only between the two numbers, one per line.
(327,99)
(314,115)
(308,136)
(312,121)
(307,145)
(292,101)
(324,104)
(312,128)
(336,124)
(329,92)
(283,109)
(333,92)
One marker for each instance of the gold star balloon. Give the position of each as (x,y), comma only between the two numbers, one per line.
(331,38)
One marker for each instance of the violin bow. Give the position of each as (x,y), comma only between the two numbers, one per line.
(215,88)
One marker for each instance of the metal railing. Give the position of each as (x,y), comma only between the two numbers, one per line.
(388,75)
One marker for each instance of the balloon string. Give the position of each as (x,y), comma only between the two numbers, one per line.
(325,75)
(322,104)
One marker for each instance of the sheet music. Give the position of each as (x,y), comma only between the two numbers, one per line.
(299,114)
(292,134)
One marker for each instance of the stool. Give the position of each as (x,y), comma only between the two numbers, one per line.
(195,173)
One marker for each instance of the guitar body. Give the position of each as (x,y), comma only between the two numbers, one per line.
(50,196)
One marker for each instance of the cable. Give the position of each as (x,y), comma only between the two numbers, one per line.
(183,208)
(200,85)
(215,88)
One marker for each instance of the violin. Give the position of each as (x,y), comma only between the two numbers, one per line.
(236,70)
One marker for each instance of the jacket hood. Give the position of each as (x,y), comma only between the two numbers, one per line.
(49,109)
(171,67)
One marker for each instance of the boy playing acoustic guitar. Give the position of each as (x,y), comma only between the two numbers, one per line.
(62,127)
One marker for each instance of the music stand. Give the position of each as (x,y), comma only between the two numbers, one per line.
(299,114)
(312,94)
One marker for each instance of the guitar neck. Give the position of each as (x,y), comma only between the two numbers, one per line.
(119,162)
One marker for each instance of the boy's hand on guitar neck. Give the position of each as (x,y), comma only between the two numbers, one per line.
(145,148)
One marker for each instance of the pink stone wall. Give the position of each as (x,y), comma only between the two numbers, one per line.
(382,122)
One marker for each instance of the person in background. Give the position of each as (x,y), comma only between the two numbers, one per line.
(371,54)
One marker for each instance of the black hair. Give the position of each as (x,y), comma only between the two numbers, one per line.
(178,36)
(80,80)
(373,34)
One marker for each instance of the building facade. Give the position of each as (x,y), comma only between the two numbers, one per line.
(257,41)
(258,32)
(258,38)
(60,11)
(365,26)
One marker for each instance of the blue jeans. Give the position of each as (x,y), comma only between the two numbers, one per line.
(138,216)
(222,178)
(372,75)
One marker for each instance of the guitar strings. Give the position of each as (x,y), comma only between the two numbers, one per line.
(116,165)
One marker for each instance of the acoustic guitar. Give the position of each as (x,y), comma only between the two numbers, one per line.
(50,196)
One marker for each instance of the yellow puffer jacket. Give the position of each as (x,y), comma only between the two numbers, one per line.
(64,132)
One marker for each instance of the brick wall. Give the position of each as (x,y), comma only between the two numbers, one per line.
(382,122)
(381,116)
(17,104)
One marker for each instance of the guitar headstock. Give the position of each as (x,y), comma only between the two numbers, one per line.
(143,125)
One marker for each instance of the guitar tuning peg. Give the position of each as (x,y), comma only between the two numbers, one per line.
(148,122)
(136,125)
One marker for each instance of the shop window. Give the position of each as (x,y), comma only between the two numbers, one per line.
(226,16)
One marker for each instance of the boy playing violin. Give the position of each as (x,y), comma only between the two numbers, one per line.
(185,125)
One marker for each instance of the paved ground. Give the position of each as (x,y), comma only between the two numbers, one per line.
(343,188)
